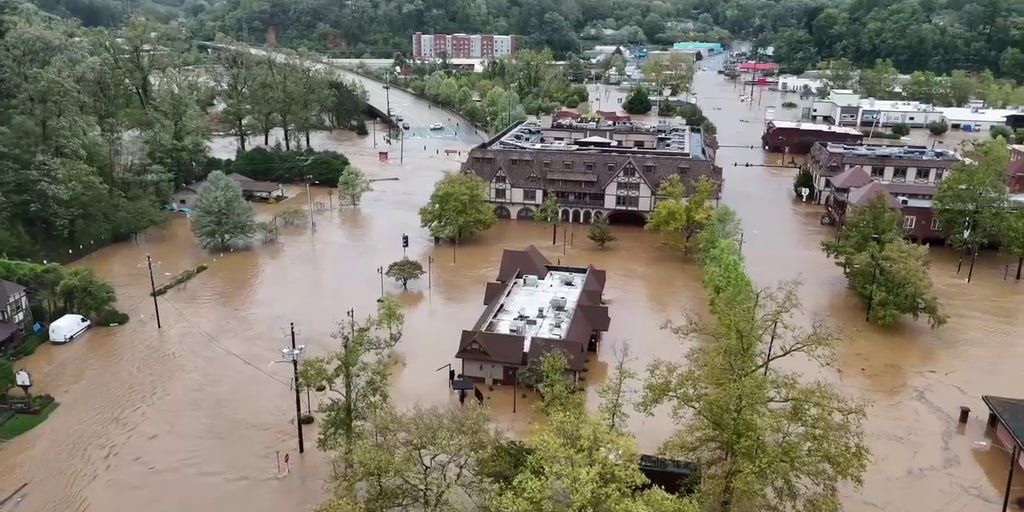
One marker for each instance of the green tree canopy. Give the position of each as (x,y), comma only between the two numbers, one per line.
(600,232)
(353,184)
(638,101)
(405,270)
(970,201)
(458,207)
(679,218)
(221,218)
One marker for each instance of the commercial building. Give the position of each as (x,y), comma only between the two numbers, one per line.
(462,46)
(795,137)
(847,176)
(844,107)
(532,308)
(805,86)
(976,118)
(595,167)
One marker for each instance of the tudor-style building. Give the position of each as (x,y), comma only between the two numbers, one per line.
(595,169)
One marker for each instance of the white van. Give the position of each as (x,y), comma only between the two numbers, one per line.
(67,328)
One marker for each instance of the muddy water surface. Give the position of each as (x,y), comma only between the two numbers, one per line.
(193,416)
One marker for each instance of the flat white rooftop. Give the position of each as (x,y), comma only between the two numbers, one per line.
(816,127)
(536,307)
(983,115)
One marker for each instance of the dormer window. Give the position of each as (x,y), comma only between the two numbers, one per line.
(500,177)
(629,172)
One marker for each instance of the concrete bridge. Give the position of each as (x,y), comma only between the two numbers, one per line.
(417,112)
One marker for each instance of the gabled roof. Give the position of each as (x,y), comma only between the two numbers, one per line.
(1010,412)
(8,290)
(574,351)
(515,263)
(853,177)
(6,330)
(491,346)
(864,195)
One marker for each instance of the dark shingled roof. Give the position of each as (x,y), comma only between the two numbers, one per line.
(494,291)
(6,330)
(574,351)
(490,346)
(8,290)
(526,262)
(864,195)
(1010,412)
(853,177)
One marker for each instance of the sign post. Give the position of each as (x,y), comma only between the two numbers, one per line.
(23,380)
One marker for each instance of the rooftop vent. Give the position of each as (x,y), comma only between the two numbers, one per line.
(558,303)
(568,279)
(517,328)
(530,281)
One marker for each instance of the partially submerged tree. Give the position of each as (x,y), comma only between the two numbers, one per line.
(970,201)
(352,184)
(600,232)
(221,218)
(1011,235)
(679,218)
(84,293)
(357,376)
(887,272)
(405,270)
(458,207)
(293,215)
(549,212)
(616,393)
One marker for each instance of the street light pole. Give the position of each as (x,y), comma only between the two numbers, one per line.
(380,270)
(152,287)
(430,264)
(309,200)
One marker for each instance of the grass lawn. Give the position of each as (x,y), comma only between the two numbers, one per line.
(21,423)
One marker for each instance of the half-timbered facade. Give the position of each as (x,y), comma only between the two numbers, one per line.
(594,169)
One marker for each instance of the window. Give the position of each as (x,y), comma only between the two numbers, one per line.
(500,193)
(922,175)
(629,172)
(626,186)
(899,174)
(567,165)
(611,167)
(627,201)
(547,164)
(877,172)
(530,195)
(500,178)
(589,166)
(911,118)
(649,168)
(181,201)
(938,174)
(935,224)
(638,144)
(909,221)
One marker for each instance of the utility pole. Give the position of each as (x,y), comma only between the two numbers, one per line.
(387,96)
(380,270)
(294,356)
(430,264)
(152,287)
(309,199)
(401,151)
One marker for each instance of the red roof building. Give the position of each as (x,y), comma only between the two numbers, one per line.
(758,66)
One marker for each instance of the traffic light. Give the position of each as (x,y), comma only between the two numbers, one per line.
(405,241)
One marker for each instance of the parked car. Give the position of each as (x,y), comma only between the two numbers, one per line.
(67,328)
(405,126)
(437,126)
(398,118)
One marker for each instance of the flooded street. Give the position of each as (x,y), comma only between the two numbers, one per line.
(193,416)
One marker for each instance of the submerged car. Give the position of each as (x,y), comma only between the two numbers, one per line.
(405,126)
(437,126)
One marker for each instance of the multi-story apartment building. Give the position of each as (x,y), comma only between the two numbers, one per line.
(852,175)
(462,46)
(595,169)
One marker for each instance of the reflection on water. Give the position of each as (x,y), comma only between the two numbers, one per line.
(192,416)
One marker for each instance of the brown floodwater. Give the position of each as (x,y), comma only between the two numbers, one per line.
(193,416)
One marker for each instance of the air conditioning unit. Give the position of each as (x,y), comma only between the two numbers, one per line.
(530,281)
(558,303)
(904,201)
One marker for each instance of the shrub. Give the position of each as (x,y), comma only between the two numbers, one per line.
(638,102)
(111,317)
(900,129)
(938,127)
(42,401)
(306,419)
(876,134)
(788,104)
(571,102)
(997,131)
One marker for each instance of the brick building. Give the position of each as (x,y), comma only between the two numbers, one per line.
(462,46)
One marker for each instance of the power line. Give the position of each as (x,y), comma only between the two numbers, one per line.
(216,343)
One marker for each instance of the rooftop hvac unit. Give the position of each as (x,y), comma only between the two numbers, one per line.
(568,279)
(530,281)
(516,328)
(904,201)
(540,312)
(556,333)
(558,303)
(557,321)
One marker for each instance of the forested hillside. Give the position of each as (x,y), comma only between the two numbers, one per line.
(933,35)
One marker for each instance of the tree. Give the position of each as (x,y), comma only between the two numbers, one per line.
(7,380)
(235,83)
(405,270)
(600,232)
(575,461)
(424,459)
(766,439)
(679,218)
(221,218)
(617,392)
(839,74)
(177,134)
(352,184)
(901,129)
(969,202)
(84,293)
(997,131)
(887,272)
(357,375)
(1011,235)
(938,128)
(293,215)
(638,102)
(458,207)
(550,212)
(878,82)
(804,179)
